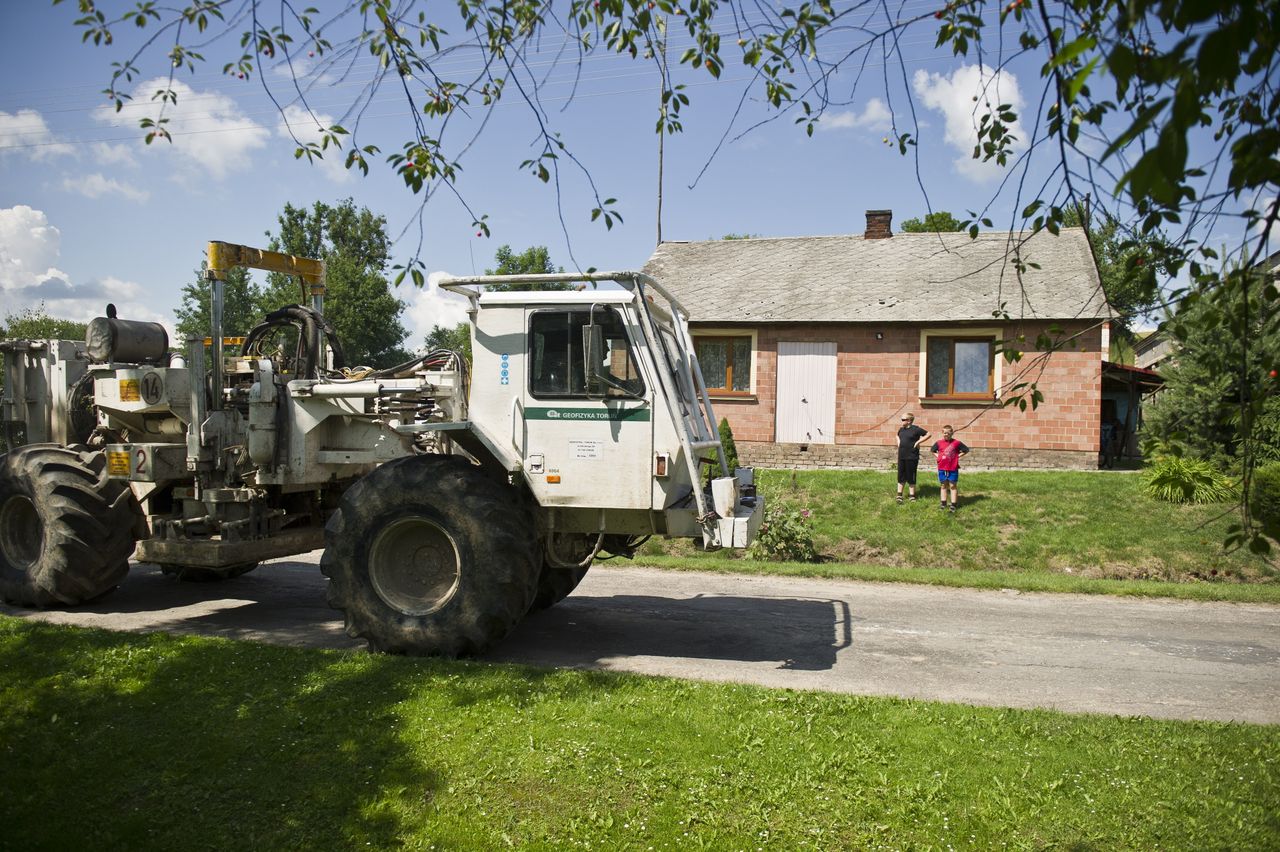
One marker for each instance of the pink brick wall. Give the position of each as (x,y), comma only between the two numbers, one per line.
(878,380)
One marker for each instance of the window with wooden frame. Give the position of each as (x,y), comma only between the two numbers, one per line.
(725,362)
(960,367)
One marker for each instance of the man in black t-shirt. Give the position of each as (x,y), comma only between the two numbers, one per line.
(909,437)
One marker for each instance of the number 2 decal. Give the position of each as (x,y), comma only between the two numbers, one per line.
(142,460)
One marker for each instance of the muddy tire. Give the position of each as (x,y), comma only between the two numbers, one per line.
(429,555)
(66,529)
(555,582)
(201,574)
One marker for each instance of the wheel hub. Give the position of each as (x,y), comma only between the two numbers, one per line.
(20,532)
(414,566)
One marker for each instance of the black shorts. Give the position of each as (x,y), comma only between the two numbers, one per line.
(907,470)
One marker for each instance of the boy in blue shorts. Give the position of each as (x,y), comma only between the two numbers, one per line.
(948,451)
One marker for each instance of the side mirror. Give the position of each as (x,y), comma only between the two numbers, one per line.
(593,355)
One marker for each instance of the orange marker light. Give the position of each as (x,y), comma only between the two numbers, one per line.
(553,478)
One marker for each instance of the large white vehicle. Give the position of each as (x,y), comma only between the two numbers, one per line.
(450,502)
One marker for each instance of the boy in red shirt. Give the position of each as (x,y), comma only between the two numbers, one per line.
(948,451)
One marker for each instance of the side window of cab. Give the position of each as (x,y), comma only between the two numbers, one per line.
(557,356)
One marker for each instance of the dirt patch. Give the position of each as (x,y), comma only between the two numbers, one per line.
(1150,569)
(857,550)
(1008,533)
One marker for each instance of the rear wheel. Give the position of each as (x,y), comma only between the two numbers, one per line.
(66,529)
(428,555)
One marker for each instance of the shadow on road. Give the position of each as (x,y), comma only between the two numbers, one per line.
(586,630)
(283,603)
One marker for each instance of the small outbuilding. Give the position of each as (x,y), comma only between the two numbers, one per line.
(813,347)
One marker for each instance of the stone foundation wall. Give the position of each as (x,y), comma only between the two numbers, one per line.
(867,457)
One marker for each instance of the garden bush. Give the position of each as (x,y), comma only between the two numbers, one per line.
(786,535)
(1264,498)
(1177,479)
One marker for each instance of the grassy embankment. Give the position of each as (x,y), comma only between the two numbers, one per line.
(1066,531)
(120,741)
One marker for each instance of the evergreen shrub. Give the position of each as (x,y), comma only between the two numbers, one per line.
(730,449)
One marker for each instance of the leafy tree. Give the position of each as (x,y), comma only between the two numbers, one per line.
(457,338)
(36,324)
(1131,266)
(740,236)
(359,302)
(939,221)
(242,305)
(1220,402)
(535,260)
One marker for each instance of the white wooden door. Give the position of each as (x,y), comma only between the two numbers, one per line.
(806,393)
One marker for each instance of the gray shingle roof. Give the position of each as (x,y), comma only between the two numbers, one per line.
(906,278)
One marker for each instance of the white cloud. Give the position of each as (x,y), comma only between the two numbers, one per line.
(964,97)
(305,70)
(297,123)
(96,186)
(114,155)
(874,116)
(431,306)
(25,133)
(210,134)
(30,248)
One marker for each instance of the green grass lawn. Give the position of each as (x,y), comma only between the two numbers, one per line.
(1048,531)
(122,741)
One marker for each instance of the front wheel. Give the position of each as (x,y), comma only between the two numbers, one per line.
(562,568)
(66,529)
(428,555)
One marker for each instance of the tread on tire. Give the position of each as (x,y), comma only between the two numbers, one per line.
(429,555)
(66,528)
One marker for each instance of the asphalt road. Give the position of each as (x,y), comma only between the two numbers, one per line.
(1166,659)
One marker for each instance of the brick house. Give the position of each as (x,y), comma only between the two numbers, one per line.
(813,347)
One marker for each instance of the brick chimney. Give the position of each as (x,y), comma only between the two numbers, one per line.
(878,225)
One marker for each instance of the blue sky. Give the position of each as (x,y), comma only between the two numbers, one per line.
(89,214)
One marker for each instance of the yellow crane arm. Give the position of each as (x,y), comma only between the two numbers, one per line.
(225,256)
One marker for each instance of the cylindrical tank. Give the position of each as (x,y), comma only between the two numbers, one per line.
(125,340)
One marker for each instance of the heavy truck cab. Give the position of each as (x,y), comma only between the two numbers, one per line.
(449,502)
(595,398)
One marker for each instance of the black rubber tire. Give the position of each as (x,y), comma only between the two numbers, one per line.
(428,555)
(556,582)
(66,529)
(201,574)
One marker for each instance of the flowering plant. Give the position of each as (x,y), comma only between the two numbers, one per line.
(785,535)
